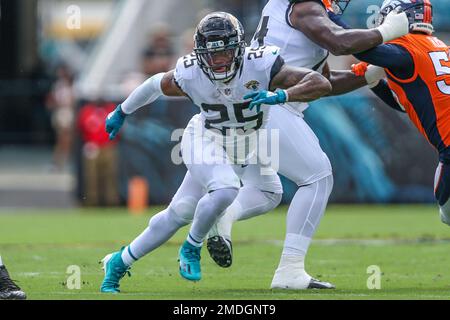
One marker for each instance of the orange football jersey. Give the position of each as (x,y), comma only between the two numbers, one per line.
(426,95)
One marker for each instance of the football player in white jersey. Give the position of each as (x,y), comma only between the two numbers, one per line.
(305,35)
(223,78)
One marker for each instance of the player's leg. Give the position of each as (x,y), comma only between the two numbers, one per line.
(163,225)
(258,195)
(208,164)
(303,162)
(442,191)
(209,208)
(161,228)
(9,290)
(304,215)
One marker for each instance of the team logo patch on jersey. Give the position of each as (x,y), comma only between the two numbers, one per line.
(252,85)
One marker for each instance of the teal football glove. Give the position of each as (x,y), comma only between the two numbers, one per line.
(114,121)
(266,97)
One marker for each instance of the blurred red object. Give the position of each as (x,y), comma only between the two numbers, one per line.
(91,123)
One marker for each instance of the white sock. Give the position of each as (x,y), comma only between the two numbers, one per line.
(288,260)
(296,245)
(193,241)
(127,256)
(304,215)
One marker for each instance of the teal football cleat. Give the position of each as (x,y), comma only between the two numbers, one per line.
(115,270)
(189,258)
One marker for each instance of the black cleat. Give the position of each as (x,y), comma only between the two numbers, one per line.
(8,289)
(221,251)
(317,284)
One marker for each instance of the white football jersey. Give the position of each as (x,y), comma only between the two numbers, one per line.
(222,105)
(296,49)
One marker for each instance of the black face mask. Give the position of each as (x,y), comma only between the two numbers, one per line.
(341,5)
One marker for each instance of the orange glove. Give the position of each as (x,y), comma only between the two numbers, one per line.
(360,69)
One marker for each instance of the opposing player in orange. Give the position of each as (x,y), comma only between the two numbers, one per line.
(417,69)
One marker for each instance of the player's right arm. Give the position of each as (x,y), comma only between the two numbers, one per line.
(156,86)
(311,18)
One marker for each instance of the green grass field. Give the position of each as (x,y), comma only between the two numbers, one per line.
(409,244)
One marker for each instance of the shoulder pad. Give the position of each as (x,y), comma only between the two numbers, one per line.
(187,66)
(263,58)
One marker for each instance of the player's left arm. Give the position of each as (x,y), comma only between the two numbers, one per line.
(291,84)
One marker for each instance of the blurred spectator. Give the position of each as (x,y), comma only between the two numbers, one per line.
(159,54)
(187,41)
(99,156)
(61,102)
(131,81)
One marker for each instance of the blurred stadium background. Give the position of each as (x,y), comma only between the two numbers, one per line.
(65,64)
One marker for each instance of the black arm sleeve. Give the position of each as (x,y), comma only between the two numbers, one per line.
(391,56)
(383,91)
